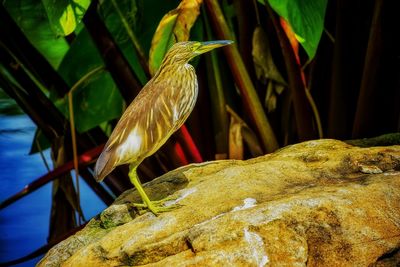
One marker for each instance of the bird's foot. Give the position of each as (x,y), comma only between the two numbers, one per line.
(158,206)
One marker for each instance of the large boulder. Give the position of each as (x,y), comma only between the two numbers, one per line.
(317,203)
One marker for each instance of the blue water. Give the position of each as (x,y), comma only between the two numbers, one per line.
(24,224)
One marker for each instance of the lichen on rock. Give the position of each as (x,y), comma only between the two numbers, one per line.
(317,203)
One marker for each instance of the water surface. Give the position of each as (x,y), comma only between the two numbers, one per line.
(24,224)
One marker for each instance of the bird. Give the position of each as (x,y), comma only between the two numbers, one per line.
(160,109)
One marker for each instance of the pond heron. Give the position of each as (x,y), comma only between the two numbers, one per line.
(161,107)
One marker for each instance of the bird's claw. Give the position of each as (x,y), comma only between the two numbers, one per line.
(157,207)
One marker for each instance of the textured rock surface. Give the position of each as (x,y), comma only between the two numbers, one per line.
(318,203)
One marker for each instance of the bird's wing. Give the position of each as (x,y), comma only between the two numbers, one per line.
(112,155)
(145,125)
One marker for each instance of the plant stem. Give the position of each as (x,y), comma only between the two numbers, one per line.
(242,79)
(216,90)
(369,80)
(72,127)
(116,63)
(302,108)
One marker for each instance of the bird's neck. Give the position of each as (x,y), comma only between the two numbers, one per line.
(174,71)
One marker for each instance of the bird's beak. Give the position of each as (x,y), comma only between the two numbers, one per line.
(207,46)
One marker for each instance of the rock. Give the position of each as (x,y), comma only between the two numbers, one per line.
(317,203)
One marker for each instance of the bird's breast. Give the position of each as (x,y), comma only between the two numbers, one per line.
(186,95)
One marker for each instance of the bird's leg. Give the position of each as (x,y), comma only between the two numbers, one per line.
(156,207)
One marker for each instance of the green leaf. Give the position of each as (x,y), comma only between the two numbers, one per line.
(306,17)
(30,15)
(174,27)
(162,41)
(142,17)
(131,12)
(65,15)
(98,99)
(8,106)
(148,25)
(39,143)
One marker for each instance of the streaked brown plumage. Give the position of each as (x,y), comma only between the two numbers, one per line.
(159,110)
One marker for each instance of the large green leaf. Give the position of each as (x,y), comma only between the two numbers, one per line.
(8,106)
(162,41)
(65,15)
(306,17)
(131,12)
(153,14)
(98,99)
(142,26)
(30,15)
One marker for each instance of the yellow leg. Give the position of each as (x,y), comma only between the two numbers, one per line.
(155,207)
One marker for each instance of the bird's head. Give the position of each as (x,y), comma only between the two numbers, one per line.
(183,52)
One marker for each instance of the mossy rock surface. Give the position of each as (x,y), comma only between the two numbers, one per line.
(317,203)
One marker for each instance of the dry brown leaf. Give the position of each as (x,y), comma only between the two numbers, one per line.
(188,11)
(174,27)
(265,68)
(239,131)
(262,57)
(235,139)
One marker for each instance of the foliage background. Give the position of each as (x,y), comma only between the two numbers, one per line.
(299,70)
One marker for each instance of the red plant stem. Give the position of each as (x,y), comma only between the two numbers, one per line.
(181,155)
(302,108)
(84,159)
(294,44)
(188,145)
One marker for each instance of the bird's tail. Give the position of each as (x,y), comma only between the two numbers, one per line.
(104,165)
